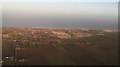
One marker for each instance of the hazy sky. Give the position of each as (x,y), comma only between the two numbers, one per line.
(0,15)
(61,14)
(59,0)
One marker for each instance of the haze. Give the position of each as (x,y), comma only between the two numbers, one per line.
(92,15)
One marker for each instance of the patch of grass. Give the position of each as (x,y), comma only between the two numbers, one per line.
(61,48)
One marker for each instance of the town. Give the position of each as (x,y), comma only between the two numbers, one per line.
(71,45)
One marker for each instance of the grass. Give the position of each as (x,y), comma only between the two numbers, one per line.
(61,48)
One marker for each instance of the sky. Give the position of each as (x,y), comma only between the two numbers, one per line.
(0,15)
(61,14)
(59,0)
(0,33)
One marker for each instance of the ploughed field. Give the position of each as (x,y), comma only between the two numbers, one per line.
(60,46)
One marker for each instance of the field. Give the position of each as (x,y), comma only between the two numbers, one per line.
(40,46)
